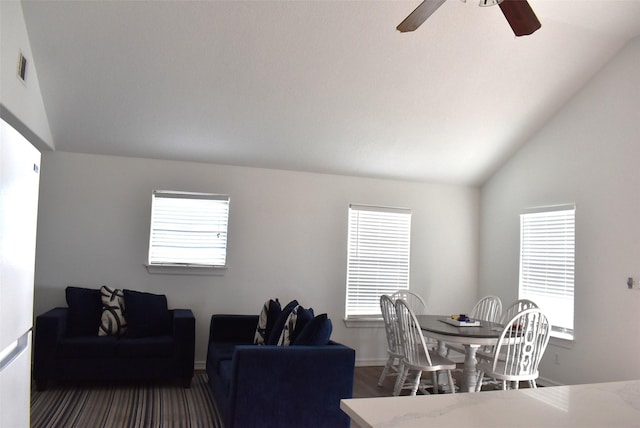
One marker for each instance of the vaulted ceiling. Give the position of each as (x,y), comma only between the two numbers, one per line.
(321,86)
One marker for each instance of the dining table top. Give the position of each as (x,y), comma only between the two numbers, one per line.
(435,324)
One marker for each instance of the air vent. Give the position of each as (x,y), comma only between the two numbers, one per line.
(22,67)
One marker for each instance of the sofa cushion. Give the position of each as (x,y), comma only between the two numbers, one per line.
(315,332)
(143,347)
(275,333)
(87,347)
(112,321)
(268,316)
(147,314)
(296,321)
(85,310)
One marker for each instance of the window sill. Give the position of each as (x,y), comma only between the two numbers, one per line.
(563,341)
(364,322)
(186,270)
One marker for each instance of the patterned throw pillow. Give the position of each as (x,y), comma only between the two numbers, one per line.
(268,316)
(294,324)
(276,331)
(112,322)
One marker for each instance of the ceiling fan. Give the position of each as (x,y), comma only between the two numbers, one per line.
(519,15)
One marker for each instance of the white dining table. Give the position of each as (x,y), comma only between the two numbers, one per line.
(471,338)
(610,404)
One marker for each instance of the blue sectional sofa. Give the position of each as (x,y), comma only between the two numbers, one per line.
(276,386)
(67,346)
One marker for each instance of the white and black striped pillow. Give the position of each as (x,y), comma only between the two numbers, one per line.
(112,322)
(294,324)
(268,315)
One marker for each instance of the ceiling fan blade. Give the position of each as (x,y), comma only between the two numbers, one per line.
(520,16)
(419,15)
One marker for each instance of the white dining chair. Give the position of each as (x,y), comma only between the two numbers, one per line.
(515,308)
(489,308)
(520,348)
(416,355)
(413,300)
(486,353)
(418,305)
(392,332)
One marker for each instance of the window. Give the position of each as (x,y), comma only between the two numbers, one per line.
(188,229)
(547,264)
(377,257)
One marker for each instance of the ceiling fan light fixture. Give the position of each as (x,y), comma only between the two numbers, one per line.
(519,15)
(419,15)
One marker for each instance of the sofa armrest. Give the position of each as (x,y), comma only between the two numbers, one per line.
(50,328)
(184,336)
(184,324)
(233,328)
(302,385)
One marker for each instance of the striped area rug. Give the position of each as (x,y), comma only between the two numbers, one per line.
(134,405)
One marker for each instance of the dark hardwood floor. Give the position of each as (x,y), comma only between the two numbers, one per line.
(365,383)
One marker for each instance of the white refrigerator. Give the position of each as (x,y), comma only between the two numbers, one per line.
(19,184)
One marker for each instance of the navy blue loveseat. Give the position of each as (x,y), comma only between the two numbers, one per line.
(68,350)
(272,386)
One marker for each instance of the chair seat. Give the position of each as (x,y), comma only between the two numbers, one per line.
(437,363)
(500,372)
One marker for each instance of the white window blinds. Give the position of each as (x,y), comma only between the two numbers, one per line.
(547,264)
(188,229)
(378,257)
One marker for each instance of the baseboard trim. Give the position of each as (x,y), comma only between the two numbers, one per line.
(543,381)
(199,365)
(370,362)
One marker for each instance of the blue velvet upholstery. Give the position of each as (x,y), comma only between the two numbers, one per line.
(60,357)
(87,347)
(152,347)
(147,314)
(276,386)
(315,332)
(223,351)
(85,311)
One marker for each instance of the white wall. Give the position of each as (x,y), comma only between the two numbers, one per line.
(21,103)
(589,154)
(287,238)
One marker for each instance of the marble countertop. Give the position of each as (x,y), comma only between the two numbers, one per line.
(611,404)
